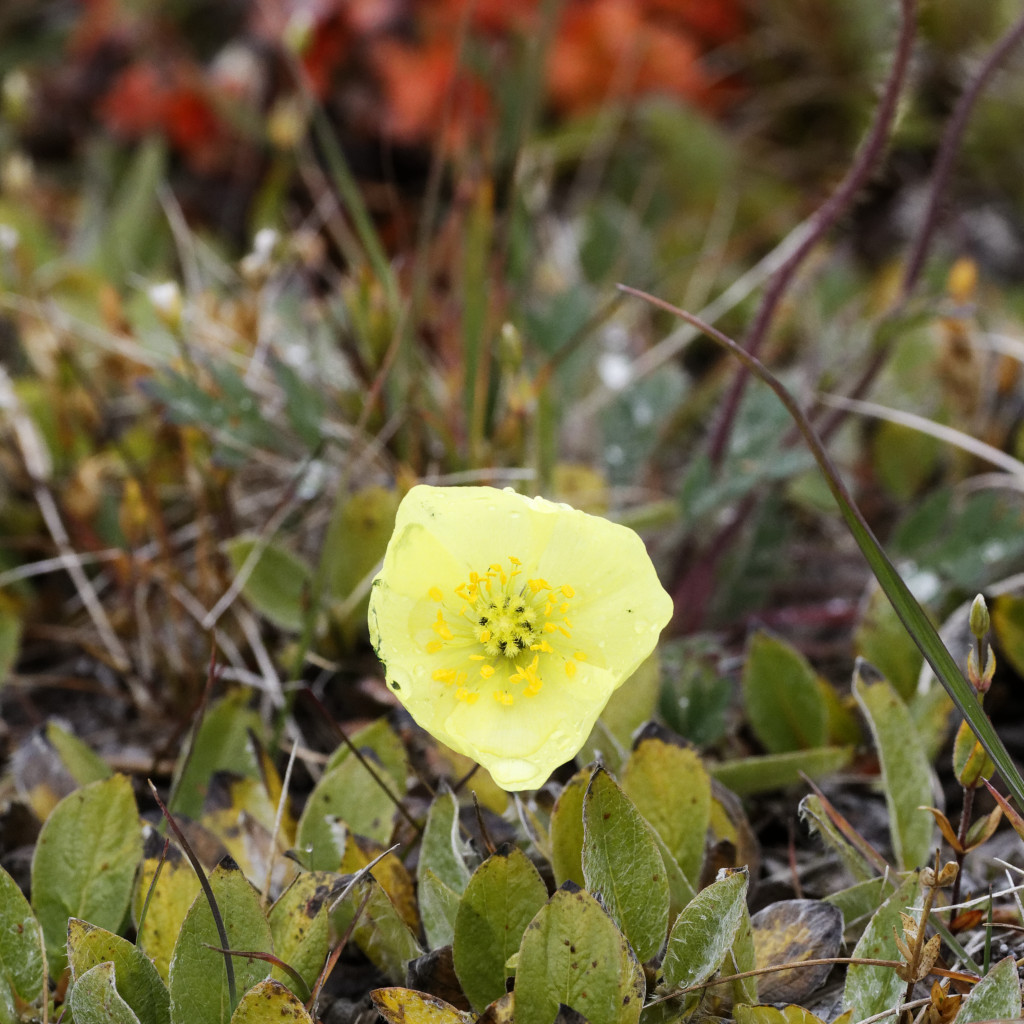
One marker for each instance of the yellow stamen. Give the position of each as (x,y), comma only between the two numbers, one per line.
(538,585)
(504,698)
(570,668)
(436,594)
(567,591)
(434,646)
(487,671)
(580,655)
(444,675)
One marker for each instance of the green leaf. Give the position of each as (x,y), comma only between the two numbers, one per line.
(360,528)
(22,962)
(84,862)
(906,774)
(881,639)
(672,790)
(995,997)
(270,1002)
(813,812)
(349,794)
(705,932)
(1008,629)
(381,933)
(871,990)
(442,850)
(439,907)
(859,901)
(785,706)
(572,954)
(95,1000)
(386,745)
(83,764)
(221,744)
(567,830)
(749,775)
(198,976)
(621,861)
(279,586)
(742,957)
(135,977)
(504,894)
(10,642)
(300,925)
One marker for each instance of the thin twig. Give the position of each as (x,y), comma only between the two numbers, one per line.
(952,137)
(821,222)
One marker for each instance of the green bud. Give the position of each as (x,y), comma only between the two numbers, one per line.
(971,764)
(980,620)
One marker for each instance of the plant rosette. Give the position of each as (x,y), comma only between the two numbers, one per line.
(505,623)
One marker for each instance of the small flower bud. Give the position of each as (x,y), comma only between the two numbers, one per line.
(980,618)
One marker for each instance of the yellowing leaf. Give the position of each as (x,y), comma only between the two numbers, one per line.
(406,1006)
(175,889)
(269,1002)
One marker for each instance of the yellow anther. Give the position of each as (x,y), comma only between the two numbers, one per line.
(436,594)
(538,585)
(564,607)
(564,631)
(504,698)
(434,646)
(549,627)
(514,560)
(533,689)
(461,677)
(567,591)
(487,671)
(485,635)
(444,675)
(580,655)
(477,657)
(469,696)
(570,668)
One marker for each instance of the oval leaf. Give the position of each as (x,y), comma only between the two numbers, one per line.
(790,931)
(502,897)
(784,703)
(198,978)
(84,862)
(704,932)
(270,1002)
(573,955)
(94,999)
(672,790)
(621,861)
(300,925)
(22,964)
(906,774)
(441,848)
(278,586)
(406,1006)
(135,977)
(347,793)
(567,830)
(995,997)
(872,990)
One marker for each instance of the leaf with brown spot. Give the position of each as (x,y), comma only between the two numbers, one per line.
(790,931)
(407,1006)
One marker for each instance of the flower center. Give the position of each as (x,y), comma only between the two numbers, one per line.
(508,630)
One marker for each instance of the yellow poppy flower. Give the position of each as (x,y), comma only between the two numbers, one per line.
(505,623)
